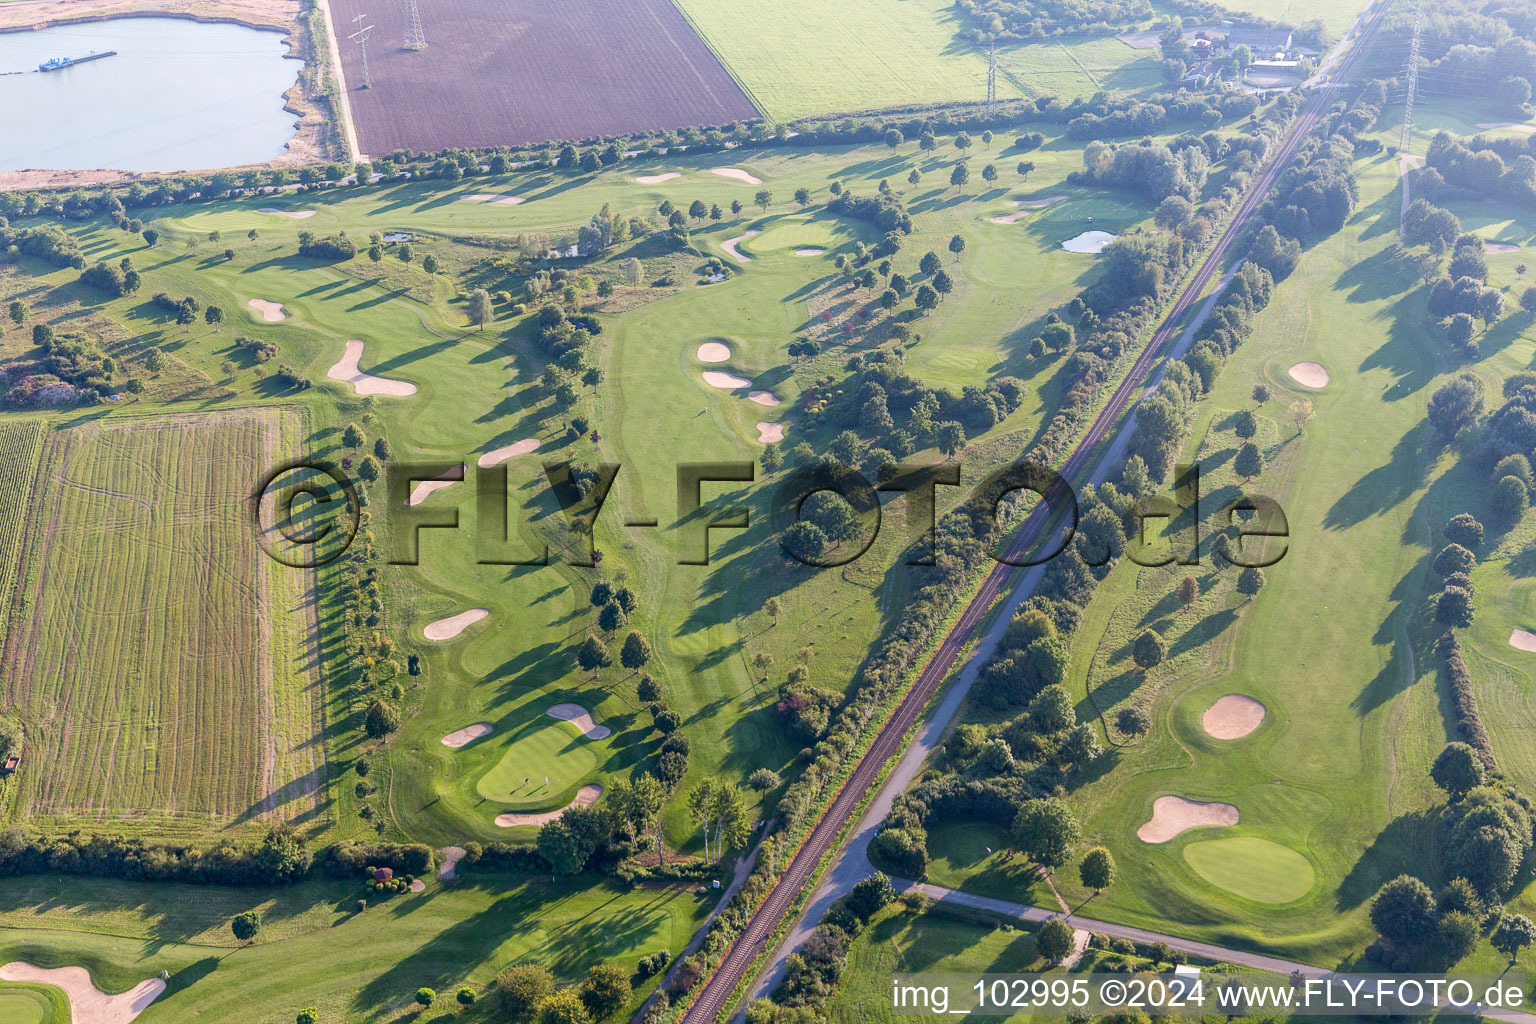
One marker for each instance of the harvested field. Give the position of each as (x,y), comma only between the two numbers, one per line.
(585,797)
(138,550)
(597,67)
(1172,815)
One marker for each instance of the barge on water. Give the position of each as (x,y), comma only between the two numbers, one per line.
(60,63)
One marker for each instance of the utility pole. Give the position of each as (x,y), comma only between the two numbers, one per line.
(361,37)
(1405,140)
(414,38)
(991,78)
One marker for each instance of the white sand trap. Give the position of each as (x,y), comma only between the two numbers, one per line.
(271,312)
(1174,814)
(451,857)
(729,245)
(1523,641)
(418,886)
(725,381)
(295,214)
(1036,204)
(1010,218)
(447,629)
(1232,717)
(1311,375)
(586,796)
(1506,124)
(657,179)
(737,173)
(714,352)
(423,490)
(467,735)
(578,716)
(768,433)
(87,1003)
(496,197)
(809,252)
(499,455)
(346,371)
(1501,247)
(763,397)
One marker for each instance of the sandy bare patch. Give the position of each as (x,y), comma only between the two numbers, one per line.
(1507,124)
(579,717)
(424,488)
(502,454)
(729,245)
(1174,814)
(714,352)
(271,312)
(418,886)
(1523,641)
(657,179)
(495,197)
(737,173)
(87,1003)
(809,252)
(768,433)
(451,857)
(1010,218)
(447,629)
(725,381)
(295,214)
(763,397)
(1037,204)
(586,796)
(346,371)
(467,735)
(1232,717)
(1501,247)
(1311,375)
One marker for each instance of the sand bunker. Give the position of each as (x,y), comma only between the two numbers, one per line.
(271,312)
(346,371)
(1523,641)
(447,629)
(1036,204)
(423,490)
(1232,717)
(87,1003)
(578,716)
(1501,247)
(502,454)
(451,857)
(418,886)
(714,352)
(763,397)
(1090,242)
(809,252)
(504,200)
(729,245)
(768,433)
(1009,218)
(737,173)
(726,381)
(295,214)
(1310,375)
(657,179)
(586,796)
(1025,206)
(467,735)
(1174,814)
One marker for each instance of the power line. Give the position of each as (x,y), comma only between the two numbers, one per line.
(414,38)
(1405,140)
(991,78)
(361,35)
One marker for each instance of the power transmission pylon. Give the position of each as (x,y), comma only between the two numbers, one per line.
(414,39)
(991,78)
(1405,140)
(361,36)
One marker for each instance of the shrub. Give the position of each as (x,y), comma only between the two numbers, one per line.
(764,779)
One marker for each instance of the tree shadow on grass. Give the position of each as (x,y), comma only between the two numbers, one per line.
(1405,846)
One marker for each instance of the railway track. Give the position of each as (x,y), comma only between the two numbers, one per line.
(738,960)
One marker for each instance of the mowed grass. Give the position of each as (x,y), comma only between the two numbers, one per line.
(24,1003)
(316,948)
(1336,15)
(138,655)
(541,750)
(1253,868)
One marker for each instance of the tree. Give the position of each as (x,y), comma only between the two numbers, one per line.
(960,175)
(1054,940)
(564,1007)
(1249,462)
(1301,414)
(930,264)
(774,607)
(989,173)
(593,654)
(480,310)
(1463,529)
(950,437)
(19,312)
(1188,591)
(1454,607)
(1023,167)
(1454,558)
(893,137)
(1513,933)
(381,449)
(1133,720)
(246,924)
(523,988)
(914,177)
(429,263)
(214,315)
(1245,424)
(1097,869)
(926,299)
(957,246)
(763,199)
(1250,581)
(426,996)
(1456,936)
(151,237)
(764,779)
(870,894)
(381,719)
(1457,770)
(697,210)
(636,652)
(1149,650)
(1261,393)
(1404,911)
(611,618)
(1509,500)
(605,990)
(352,436)
(308,1015)
(803,197)
(465,997)
(1045,830)
(942,283)
(368,468)
(1459,331)
(805,541)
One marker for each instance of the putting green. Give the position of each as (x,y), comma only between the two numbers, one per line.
(545,747)
(32,1004)
(1253,868)
(799,232)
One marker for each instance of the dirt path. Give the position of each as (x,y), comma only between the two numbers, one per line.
(87,1003)
(451,857)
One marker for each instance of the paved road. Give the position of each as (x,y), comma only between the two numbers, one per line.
(1000,582)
